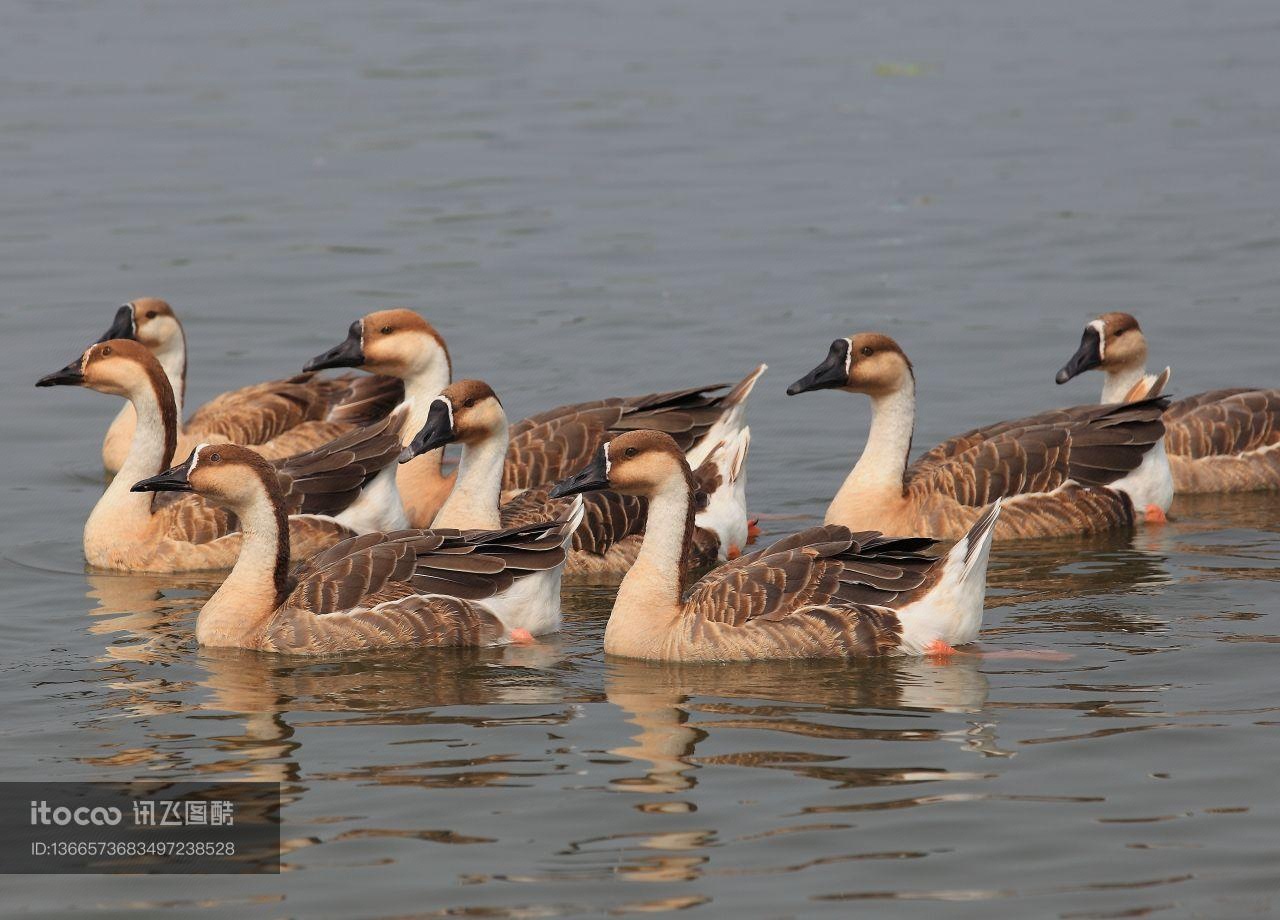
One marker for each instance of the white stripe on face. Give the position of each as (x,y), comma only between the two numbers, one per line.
(1098,327)
(133,319)
(608,467)
(195,458)
(448,405)
(848,357)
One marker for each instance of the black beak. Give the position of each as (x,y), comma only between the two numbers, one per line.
(121,326)
(171,480)
(437,431)
(832,373)
(1087,356)
(592,479)
(69,376)
(349,354)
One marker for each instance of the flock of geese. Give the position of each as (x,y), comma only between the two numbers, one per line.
(328,497)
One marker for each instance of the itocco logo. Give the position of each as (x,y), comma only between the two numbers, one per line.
(83,816)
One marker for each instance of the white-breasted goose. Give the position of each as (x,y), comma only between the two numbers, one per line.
(544,447)
(332,491)
(827,592)
(1069,471)
(469,412)
(1218,441)
(377,591)
(279,417)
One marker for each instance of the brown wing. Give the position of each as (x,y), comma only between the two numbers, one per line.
(559,442)
(263,412)
(410,621)
(473,565)
(1223,423)
(190,518)
(327,479)
(1091,445)
(827,566)
(608,518)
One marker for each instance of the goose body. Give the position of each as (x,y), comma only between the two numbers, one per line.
(1218,441)
(279,417)
(827,592)
(375,591)
(1071,471)
(609,538)
(542,448)
(331,492)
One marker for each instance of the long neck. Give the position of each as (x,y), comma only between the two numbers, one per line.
(259,581)
(421,481)
(1120,380)
(173,358)
(880,469)
(155,436)
(473,503)
(655,583)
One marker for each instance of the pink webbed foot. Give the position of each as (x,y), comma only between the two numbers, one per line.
(939,650)
(522,636)
(753,531)
(1155,515)
(733,552)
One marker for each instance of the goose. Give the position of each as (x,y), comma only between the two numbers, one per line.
(374,591)
(826,592)
(544,447)
(1070,471)
(279,417)
(1217,441)
(469,412)
(327,490)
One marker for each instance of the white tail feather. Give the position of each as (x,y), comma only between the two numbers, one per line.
(952,610)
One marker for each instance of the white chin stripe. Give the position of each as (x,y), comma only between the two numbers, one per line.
(848,357)
(1102,337)
(608,467)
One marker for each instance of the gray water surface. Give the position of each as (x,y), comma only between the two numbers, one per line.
(592,199)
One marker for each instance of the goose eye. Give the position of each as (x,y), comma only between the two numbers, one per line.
(386,330)
(1120,332)
(469,402)
(106,350)
(215,457)
(151,314)
(867,351)
(630,452)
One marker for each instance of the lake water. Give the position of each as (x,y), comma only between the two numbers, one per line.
(594,199)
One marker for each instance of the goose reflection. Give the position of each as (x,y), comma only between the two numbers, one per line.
(666,701)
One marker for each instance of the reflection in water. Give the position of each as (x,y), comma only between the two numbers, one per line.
(1032,571)
(797,699)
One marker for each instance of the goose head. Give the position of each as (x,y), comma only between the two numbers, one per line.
(466,412)
(635,463)
(148,320)
(397,343)
(120,367)
(226,474)
(868,362)
(1113,341)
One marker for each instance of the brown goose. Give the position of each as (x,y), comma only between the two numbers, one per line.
(544,447)
(826,592)
(376,591)
(1071,471)
(469,412)
(325,489)
(279,417)
(1218,441)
